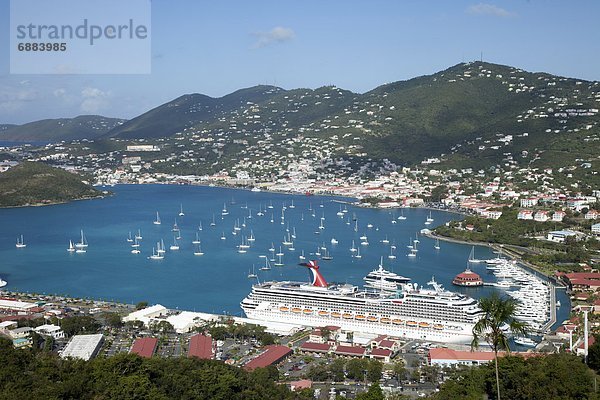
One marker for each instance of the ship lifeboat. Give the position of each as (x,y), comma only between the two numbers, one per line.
(371,318)
(439,327)
(308,311)
(397,321)
(296,310)
(336,314)
(385,320)
(360,317)
(424,324)
(323,313)
(284,309)
(347,315)
(411,323)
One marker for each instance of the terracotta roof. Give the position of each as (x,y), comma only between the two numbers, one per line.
(381,352)
(354,350)
(310,346)
(449,354)
(201,347)
(144,347)
(591,341)
(386,344)
(272,355)
(583,275)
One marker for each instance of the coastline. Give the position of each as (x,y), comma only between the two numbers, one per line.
(55,203)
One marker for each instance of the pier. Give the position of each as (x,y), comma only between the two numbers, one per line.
(548,325)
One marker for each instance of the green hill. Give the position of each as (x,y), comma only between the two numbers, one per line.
(31,183)
(460,113)
(55,130)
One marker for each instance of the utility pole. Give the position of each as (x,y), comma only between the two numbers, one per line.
(585,332)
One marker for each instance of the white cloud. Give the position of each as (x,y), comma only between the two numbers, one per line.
(15,98)
(94,100)
(488,9)
(59,92)
(276,35)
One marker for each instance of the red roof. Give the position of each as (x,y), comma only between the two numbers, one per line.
(386,344)
(380,338)
(591,341)
(272,355)
(381,353)
(449,354)
(310,346)
(144,347)
(201,347)
(583,275)
(585,282)
(352,350)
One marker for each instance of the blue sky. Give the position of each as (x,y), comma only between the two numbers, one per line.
(217,47)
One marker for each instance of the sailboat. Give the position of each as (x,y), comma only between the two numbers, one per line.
(71,248)
(198,250)
(135,248)
(472,258)
(357,255)
(129,238)
(138,235)
(268,266)
(200,226)
(175,245)
(321,226)
(213,223)
(401,217)
(353,248)
(318,252)
(242,247)
(83,243)
(292,205)
(135,244)
(429,219)
(386,240)
(160,247)
(302,256)
(175,226)
(181,214)
(224,211)
(413,251)
(155,255)
(223,236)
(270,204)
(20,243)
(326,255)
(437,244)
(279,262)
(157,220)
(252,273)
(392,255)
(197,240)
(294,233)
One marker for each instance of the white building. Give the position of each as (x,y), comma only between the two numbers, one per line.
(529,202)
(560,236)
(525,214)
(596,229)
(541,216)
(143,147)
(83,346)
(147,314)
(558,216)
(53,331)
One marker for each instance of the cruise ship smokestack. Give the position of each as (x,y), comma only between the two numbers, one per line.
(318,279)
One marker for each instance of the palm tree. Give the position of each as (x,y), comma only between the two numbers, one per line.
(496,313)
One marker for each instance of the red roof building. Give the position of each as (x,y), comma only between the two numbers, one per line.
(301,384)
(311,347)
(467,278)
(272,355)
(201,346)
(350,351)
(381,354)
(448,357)
(144,347)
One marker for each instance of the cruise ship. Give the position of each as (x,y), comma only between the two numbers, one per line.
(384,280)
(412,312)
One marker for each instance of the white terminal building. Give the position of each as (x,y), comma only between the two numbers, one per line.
(84,347)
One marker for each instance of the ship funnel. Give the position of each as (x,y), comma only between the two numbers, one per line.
(317,278)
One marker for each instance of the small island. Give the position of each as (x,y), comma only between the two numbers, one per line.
(34,184)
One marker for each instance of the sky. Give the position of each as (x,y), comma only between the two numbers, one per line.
(216,47)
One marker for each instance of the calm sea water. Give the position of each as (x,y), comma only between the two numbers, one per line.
(217,281)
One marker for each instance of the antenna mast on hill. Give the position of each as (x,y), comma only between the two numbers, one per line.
(481,59)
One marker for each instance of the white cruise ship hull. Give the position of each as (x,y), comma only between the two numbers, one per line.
(459,334)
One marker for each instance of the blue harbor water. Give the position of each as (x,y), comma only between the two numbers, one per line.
(217,281)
